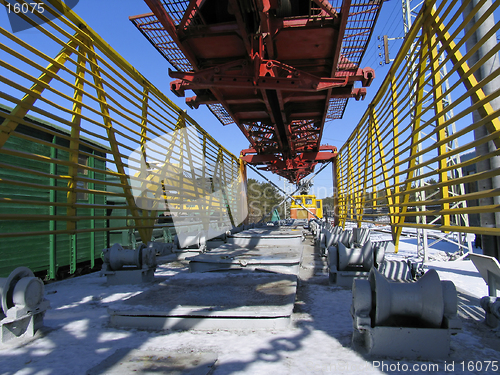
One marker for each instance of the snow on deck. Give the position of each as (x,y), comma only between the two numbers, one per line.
(77,335)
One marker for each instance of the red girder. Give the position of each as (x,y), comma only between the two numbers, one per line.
(269,75)
(291,168)
(326,7)
(279,73)
(325,153)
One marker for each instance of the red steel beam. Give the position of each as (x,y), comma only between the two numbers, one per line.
(157,7)
(241,25)
(344,15)
(325,153)
(280,106)
(193,7)
(327,7)
(297,80)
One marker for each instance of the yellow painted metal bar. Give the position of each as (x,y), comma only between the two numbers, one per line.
(388,192)
(122,88)
(442,136)
(158,178)
(465,95)
(414,130)
(132,110)
(349,181)
(395,137)
(340,191)
(470,82)
(467,179)
(357,188)
(402,55)
(9,125)
(385,136)
(469,196)
(374,188)
(42,158)
(70,50)
(244,188)
(219,175)
(364,190)
(144,124)
(74,144)
(415,139)
(469,110)
(463,229)
(444,142)
(198,193)
(62,108)
(455,211)
(143,232)
(125,65)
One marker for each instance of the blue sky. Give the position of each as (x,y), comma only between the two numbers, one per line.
(110,19)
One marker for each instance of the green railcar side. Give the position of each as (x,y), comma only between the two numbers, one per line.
(47,253)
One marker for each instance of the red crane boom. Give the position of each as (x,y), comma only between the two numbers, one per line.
(279,69)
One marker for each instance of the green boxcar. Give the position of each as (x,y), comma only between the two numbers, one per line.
(120,236)
(48,253)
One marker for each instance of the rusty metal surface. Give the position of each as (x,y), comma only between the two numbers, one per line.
(278,72)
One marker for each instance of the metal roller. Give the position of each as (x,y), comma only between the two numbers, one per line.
(322,238)
(355,258)
(331,237)
(21,289)
(422,301)
(117,257)
(491,305)
(404,319)
(346,238)
(23,304)
(191,241)
(335,238)
(28,292)
(379,254)
(360,236)
(395,270)
(386,246)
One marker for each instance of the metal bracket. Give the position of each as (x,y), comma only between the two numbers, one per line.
(266,74)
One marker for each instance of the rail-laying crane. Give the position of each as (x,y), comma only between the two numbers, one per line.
(278,69)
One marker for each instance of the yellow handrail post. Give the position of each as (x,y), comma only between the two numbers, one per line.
(9,125)
(74,147)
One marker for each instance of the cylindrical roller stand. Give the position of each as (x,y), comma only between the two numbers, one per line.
(359,258)
(422,300)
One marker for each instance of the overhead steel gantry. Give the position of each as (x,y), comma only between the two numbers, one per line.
(278,69)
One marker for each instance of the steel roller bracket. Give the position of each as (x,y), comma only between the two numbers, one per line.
(489,268)
(128,266)
(23,305)
(404,319)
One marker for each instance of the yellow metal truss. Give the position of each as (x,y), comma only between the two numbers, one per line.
(397,131)
(97,97)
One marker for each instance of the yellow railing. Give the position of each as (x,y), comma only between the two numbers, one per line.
(69,122)
(410,161)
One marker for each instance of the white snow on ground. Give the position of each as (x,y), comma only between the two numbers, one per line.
(77,335)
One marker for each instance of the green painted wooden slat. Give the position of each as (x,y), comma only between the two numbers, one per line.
(45,253)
